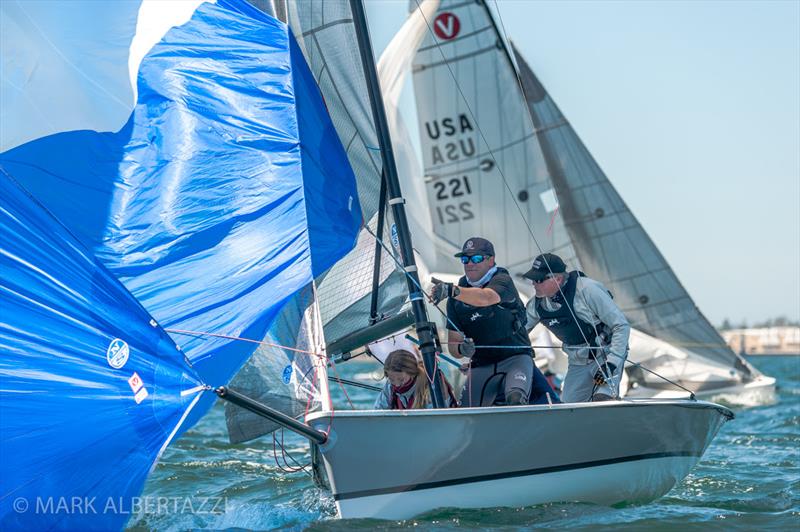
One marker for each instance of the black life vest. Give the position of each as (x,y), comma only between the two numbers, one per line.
(565,323)
(502,324)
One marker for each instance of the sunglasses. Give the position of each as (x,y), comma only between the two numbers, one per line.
(474,259)
(540,281)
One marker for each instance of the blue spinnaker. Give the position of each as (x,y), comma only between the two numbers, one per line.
(91,386)
(225,192)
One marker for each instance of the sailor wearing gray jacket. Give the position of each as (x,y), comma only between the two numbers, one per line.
(581,313)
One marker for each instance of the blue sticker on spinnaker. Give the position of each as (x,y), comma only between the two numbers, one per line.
(287,374)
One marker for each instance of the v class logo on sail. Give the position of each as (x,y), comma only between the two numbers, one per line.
(446,26)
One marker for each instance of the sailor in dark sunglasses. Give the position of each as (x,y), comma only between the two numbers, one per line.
(484,308)
(474,259)
(582,314)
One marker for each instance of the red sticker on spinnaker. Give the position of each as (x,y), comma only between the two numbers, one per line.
(446,26)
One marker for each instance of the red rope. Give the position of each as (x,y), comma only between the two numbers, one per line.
(339,380)
(552,221)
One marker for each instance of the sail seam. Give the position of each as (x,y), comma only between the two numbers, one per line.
(445,62)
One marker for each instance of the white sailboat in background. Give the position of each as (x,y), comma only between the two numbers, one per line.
(501,161)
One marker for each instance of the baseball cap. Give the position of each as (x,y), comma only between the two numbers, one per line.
(543,265)
(476,246)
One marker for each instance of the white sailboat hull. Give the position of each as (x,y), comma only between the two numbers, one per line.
(395,465)
(759,391)
(642,480)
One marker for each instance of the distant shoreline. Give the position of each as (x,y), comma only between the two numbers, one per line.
(764,340)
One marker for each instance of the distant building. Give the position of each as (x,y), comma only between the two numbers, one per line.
(764,340)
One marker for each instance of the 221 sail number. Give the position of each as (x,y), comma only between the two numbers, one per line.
(453,188)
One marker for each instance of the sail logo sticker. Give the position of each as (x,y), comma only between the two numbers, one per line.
(117,353)
(395,238)
(135,382)
(287,374)
(446,26)
(141,395)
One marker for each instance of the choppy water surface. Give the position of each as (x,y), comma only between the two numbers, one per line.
(749,479)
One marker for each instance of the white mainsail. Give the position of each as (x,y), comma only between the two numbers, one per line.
(483,168)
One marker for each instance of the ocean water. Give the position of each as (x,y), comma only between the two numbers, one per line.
(749,479)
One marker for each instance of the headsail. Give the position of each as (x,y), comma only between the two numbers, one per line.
(326,35)
(344,293)
(611,244)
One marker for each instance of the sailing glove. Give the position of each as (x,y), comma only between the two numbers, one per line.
(608,369)
(467,348)
(442,290)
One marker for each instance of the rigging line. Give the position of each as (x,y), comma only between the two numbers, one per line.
(286,453)
(355,383)
(499,169)
(283,452)
(339,380)
(636,364)
(261,342)
(285,467)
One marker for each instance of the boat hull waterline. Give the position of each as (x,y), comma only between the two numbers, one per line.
(399,464)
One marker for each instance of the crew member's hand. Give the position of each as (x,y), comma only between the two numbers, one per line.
(467,348)
(609,370)
(442,290)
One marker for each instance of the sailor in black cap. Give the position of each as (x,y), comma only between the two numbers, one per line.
(583,315)
(484,308)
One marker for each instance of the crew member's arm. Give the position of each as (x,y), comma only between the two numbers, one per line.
(500,289)
(533,316)
(454,338)
(599,301)
(478,297)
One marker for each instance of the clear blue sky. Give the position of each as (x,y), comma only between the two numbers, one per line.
(693,111)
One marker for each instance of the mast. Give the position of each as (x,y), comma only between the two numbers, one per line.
(376,270)
(425,329)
